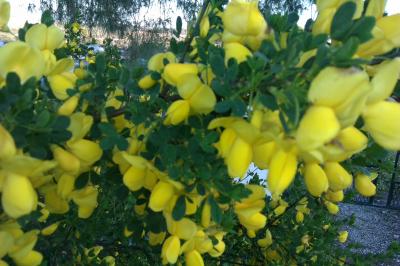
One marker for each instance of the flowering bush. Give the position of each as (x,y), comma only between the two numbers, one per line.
(99,160)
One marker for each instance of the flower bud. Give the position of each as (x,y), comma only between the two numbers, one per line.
(332,208)
(49,230)
(239,158)
(336,196)
(318,126)
(343,236)
(315,179)
(18,196)
(193,258)
(364,185)
(339,178)
(206,215)
(177,112)
(160,196)
(156,62)
(33,258)
(299,217)
(381,121)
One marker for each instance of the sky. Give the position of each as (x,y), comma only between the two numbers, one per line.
(20,13)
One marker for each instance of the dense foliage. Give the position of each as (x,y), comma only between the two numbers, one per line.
(102,163)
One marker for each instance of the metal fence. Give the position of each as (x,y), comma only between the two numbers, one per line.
(385,199)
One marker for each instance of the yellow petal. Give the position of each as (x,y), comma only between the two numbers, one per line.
(174,72)
(87,151)
(185,229)
(282,171)
(193,258)
(134,178)
(237,51)
(49,230)
(375,8)
(65,185)
(339,178)
(45,38)
(336,196)
(60,84)
(239,158)
(381,122)
(66,160)
(86,199)
(4,14)
(160,196)
(318,126)
(69,106)
(54,203)
(33,258)
(24,245)
(384,81)
(315,179)
(170,249)
(203,100)
(365,186)
(262,154)
(177,112)
(18,196)
(22,59)
(7,241)
(7,144)
(156,62)
(146,82)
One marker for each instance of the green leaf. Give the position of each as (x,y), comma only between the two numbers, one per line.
(178,26)
(362,28)
(238,107)
(47,18)
(216,61)
(216,213)
(343,20)
(179,209)
(13,81)
(269,101)
(223,107)
(101,63)
(347,50)
(43,119)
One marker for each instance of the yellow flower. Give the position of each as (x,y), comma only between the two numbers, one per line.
(266,241)
(86,199)
(243,18)
(23,245)
(22,59)
(384,81)
(146,82)
(206,215)
(4,15)
(65,185)
(7,144)
(343,236)
(381,122)
(299,217)
(33,258)
(173,72)
(338,177)
(161,195)
(332,208)
(79,126)
(18,196)
(45,38)
(282,171)
(237,51)
(193,258)
(262,153)
(177,112)
(344,90)
(170,249)
(315,179)
(204,26)
(7,241)
(364,185)
(134,178)
(375,8)
(156,238)
(386,36)
(69,106)
(318,126)
(54,202)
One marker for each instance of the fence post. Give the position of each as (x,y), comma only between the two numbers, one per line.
(392,181)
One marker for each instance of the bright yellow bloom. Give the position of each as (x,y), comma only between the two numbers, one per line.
(177,112)
(173,72)
(79,126)
(18,197)
(7,241)
(344,90)
(61,78)
(338,177)
(262,153)
(336,196)
(237,51)
(134,177)
(161,195)
(332,208)
(66,160)
(206,215)
(170,249)
(376,8)
(45,38)
(33,258)
(386,36)
(54,202)
(88,152)
(381,122)
(282,171)
(7,144)
(24,245)
(193,258)
(22,59)
(384,81)
(343,236)
(86,199)
(315,179)
(266,241)
(243,18)
(318,126)
(4,16)
(49,230)
(65,185)
(364,185)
